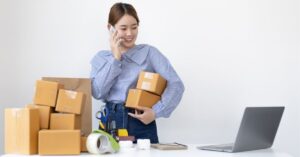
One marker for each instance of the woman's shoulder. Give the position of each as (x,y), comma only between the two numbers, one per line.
(103,53)
(152,50)
(101,56)
(148,48)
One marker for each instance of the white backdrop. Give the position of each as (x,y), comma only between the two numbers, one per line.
(230,54)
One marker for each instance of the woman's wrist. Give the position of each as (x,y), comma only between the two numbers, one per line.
(116,54)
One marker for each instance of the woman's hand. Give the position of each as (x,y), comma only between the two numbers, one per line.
(115,44)
(147,115)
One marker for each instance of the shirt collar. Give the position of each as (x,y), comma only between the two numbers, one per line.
(137,54)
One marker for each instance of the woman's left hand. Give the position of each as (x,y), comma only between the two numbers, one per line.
(147,115)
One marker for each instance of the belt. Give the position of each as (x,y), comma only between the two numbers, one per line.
(113,106)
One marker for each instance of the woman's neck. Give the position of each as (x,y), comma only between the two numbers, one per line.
(123,50)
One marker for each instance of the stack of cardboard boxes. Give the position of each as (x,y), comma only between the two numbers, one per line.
(52,124)
(148,91)
(49,127)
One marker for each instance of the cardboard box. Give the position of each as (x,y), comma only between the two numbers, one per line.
(137,97)
(21,130)
(64,121)
(59,142)
(46,93)
(151,82)
(83,144)
(82,85)
(44,113)
(69,101)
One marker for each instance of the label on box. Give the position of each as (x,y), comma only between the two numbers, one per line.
(71,94)
(149,75)
(146,85)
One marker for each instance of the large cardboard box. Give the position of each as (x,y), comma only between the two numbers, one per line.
(21,130)
(59,142)
(46,93)
(83,144)
(82,85)
(151,82)
(64,121)
(44,113)
(137,97)
(70,101)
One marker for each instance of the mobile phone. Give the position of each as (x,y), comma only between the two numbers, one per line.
(112,30)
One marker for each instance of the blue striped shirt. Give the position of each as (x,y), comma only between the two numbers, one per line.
(112,79)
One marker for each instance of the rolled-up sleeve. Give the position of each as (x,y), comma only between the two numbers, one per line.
(103,74)
(174,90)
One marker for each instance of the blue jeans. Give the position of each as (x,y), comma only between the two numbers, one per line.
(119,114)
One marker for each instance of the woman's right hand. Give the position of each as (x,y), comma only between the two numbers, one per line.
(115,45)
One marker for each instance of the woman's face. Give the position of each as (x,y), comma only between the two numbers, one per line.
(127,28)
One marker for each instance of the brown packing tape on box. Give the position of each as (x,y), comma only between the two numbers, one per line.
(59,142)
(81,85)
(21,130)
(44,113)
(137,97)
(64,121)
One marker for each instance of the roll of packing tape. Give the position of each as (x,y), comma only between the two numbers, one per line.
(143,144)
(98,144)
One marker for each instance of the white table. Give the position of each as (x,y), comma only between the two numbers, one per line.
(192,151)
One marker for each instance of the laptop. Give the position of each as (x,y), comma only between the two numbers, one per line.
(257,130)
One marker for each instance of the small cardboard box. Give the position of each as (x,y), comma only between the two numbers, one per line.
(21,130)
(59,142)
(70,101)
(137,97)
(151,82)
(44,112)
(83,144)
(46,93)
(64,121)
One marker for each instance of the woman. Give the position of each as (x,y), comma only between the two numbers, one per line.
(115,71)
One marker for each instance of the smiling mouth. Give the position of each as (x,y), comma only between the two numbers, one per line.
(128,40)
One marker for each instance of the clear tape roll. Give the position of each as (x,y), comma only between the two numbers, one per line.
(98,144)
